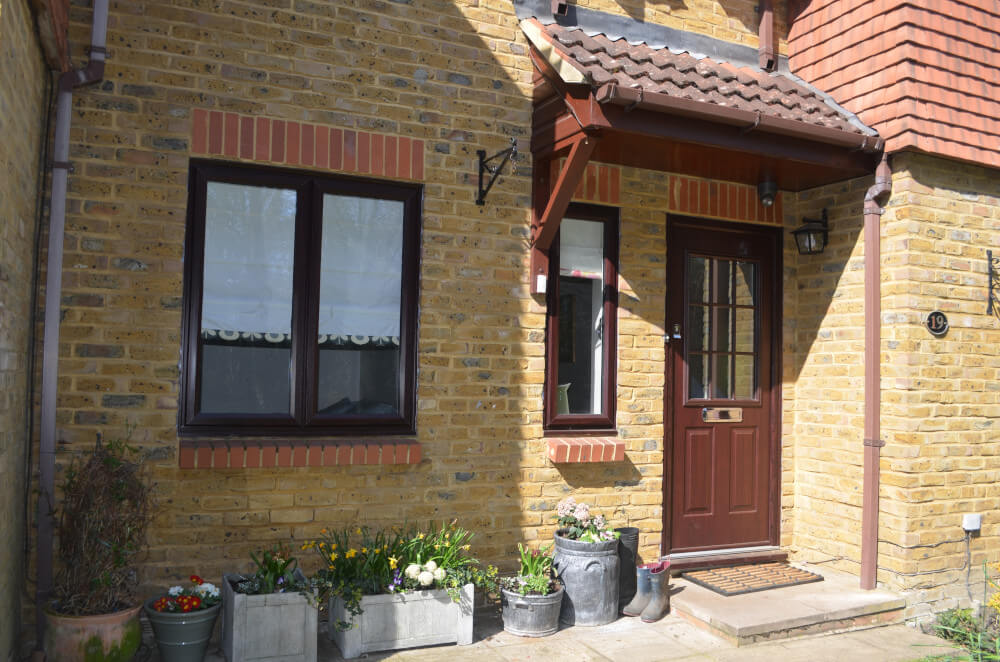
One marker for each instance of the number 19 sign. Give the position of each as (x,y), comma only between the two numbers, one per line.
(937,323)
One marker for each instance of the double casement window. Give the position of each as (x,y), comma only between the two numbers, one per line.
(582,330)
(300,303)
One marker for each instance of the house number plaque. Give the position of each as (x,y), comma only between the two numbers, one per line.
(937,323)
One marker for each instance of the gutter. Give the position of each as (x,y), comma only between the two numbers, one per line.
(633,98)
(91,73)
(876,196)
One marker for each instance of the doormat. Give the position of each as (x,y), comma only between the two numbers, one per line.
(740,579)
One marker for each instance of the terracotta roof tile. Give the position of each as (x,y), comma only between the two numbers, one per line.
(682,75)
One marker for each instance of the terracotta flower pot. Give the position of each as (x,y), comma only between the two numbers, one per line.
(102,638)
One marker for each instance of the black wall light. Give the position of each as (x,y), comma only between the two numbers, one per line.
(812,237)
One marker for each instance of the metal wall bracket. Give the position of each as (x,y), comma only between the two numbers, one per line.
(993,293)
(509,154)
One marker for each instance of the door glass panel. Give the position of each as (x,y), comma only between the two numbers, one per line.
(698,376)
(723,332)
(698,325)
(744,375)
(744,331)
(698,280)
(745,284)
(246,307)
(721,335)
(722,285)
(722,379)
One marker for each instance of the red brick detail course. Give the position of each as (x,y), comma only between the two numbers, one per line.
(254,455)
(724,200)
(567,450)
(354,152)
(600,183)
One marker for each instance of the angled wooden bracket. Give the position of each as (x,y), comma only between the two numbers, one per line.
(550,204)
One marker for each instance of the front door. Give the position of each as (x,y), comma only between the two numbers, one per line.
(721,396)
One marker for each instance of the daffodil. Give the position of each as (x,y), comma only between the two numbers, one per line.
(392,562)
(351,553)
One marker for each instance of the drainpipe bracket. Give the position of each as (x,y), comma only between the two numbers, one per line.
(64,165)
(877,443)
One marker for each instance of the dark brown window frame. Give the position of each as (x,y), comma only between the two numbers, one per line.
(581,423)
(303,421)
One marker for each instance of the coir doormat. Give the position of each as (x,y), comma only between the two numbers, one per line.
(740,579)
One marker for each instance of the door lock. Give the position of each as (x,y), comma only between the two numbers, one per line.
(676,335)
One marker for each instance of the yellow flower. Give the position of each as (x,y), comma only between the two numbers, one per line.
(420,536)
(351,553)
(323,531)
(333,546)
(437,546)
(358,531)
(364,550)
(466,547)
(392,562)
(333,557)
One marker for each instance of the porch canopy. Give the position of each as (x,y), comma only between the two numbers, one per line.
(619,91)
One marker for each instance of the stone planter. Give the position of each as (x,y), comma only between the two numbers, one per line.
(403,620)
(279,627)
(180,636)
(531,615)
(589,574)
(102,638)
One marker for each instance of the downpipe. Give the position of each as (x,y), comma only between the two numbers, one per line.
(91,73)
(876,196)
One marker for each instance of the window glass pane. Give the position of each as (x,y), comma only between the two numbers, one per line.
(697,279)
(581,316)
(697,376)
(246,312)
(360,306)
(744,377)
(722,382)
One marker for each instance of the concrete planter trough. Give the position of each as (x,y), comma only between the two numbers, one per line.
(403,620)
(280,627)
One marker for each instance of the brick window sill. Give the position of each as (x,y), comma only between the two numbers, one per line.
(269,454)
(569,450)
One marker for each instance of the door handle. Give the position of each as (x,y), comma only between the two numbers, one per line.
(676,334)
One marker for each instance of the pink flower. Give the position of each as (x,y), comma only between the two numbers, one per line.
(566,506)
(582,513)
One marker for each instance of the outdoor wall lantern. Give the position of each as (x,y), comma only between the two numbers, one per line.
(509,154)
(766,191)
(811,238)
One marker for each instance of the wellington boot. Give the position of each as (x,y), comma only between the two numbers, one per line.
(643,589)
(642,592)
(659,594)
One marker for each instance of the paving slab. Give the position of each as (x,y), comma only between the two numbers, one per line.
(673,639)
(834,600)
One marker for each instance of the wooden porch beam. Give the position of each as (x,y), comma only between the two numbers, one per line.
(545,222)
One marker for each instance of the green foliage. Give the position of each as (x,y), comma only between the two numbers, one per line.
(535,575)
(979,639)
(277,572)
(359,562)
(101,528)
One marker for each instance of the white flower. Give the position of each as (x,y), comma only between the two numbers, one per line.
(175,591)
(439,574)
(205,588)
(413,571)
(566,506)
(430,566)
(425,578)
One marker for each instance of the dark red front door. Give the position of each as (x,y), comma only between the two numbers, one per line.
(723,339)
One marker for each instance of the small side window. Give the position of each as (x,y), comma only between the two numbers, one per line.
(582,312)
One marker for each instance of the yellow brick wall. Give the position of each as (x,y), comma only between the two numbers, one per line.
(940,402)
(941,405)
(454,75)
(734,21)
(823,382)
(22,105)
